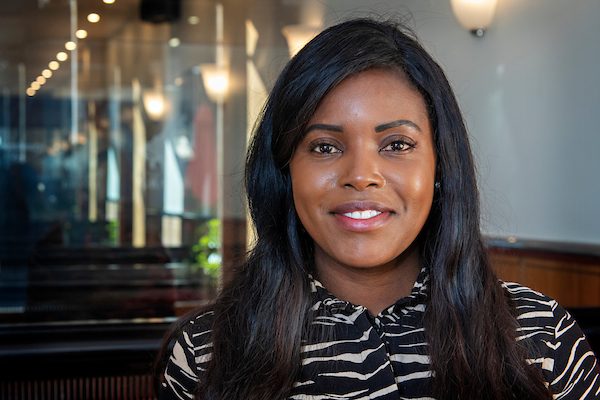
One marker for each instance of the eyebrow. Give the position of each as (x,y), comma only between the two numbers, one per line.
(393,124)
(324,127)
(378,128)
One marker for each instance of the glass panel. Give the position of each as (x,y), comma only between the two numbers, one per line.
(121,153)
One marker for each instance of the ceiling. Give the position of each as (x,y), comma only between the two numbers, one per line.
(32,32)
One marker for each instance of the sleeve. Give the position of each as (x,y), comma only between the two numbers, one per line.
(180,376)
(190,355)
(576,370)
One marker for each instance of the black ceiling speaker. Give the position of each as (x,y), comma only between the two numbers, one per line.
(160,10)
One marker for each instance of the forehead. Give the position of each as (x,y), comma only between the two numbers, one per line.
(375,93)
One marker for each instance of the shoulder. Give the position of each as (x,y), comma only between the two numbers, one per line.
(556,343)
(190,354)
(539,316)
(530,304)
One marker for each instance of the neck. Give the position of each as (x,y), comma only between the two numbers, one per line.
(375,288)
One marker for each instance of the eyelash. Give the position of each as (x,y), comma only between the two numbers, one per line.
(405,145)
(318,147)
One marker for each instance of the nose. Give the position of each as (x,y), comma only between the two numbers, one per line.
(361,170)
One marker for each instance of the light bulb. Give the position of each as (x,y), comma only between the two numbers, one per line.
(46,73)
(62,56)
(53,65)
(93,18)
(70,46)
(81,34)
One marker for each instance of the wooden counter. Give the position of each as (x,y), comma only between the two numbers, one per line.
(568,274)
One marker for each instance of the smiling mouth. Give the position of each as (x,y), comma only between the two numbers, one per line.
(366,214)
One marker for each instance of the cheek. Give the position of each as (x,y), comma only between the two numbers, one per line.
(311,190)
(416,187)
(301,196)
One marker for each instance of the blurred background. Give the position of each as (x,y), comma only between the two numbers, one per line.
(123,130)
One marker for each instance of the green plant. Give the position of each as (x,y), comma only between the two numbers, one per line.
(207,252)
(112,228)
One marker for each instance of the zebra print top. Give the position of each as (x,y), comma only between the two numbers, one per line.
(385,357)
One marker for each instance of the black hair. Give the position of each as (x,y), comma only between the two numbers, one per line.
(262,315)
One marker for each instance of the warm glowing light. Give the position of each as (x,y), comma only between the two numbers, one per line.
(62,56)
(298,35)
(70,46)
(30,91)
(46,73)
(193,20)
(474,15)
(156,106)
(512,239)
(93,18)
(109,1)
(154,103)
(178,81)
(216,81)
(81,34)
(41,80)
(35,86)
(174,42)
(53,65)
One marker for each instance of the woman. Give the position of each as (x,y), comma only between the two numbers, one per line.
(369,278)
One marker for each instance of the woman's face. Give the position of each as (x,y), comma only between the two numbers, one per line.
(363,175)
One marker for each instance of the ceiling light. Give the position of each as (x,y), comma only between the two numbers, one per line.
(35,85)
(46,73)
(30,91)
(53,65)
(93,18)
(109,1)
(70,46)
(62,56)
(174,42)
(41,80)
(81,34)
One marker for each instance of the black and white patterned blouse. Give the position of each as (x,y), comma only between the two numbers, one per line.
(385,357)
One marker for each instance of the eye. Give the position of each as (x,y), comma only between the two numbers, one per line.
(399,145)
(325,148)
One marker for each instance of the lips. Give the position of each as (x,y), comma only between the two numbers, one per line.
(361,216)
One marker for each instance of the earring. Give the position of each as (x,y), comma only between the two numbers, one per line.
(437,185)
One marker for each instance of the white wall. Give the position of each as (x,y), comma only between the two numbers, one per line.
(529,90)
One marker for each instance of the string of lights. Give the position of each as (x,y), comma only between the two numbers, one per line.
(62,56)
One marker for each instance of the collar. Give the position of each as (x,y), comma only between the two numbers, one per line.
(325,301)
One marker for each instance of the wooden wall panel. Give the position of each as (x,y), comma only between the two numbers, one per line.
(573,281)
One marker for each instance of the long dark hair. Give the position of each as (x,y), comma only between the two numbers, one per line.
(262,315)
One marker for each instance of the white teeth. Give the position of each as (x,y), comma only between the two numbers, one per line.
(362,214)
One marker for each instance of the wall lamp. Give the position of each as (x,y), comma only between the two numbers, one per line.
(297,36)
(474,15)
(216,81)
(154,104)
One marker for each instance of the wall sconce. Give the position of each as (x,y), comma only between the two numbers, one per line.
(474,15)
(298,35)
(154,104)
(216,81)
